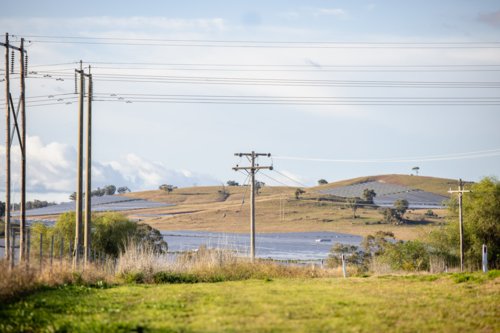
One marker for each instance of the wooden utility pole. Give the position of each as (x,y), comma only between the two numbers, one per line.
(7,150)
(460,192)
(79,176)
(88,174)
(22,245)
(252,169)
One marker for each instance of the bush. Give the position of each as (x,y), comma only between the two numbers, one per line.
(494,273)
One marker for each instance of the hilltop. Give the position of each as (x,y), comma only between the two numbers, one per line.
(429,184)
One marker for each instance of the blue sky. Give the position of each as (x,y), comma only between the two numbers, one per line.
(143,145)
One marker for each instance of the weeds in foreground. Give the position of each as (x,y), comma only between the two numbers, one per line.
(22,280)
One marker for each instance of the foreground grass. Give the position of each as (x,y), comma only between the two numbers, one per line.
(389,304)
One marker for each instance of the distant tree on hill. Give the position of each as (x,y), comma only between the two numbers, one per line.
(72,196)
(390,215)
(167,188)
(322,182)
(353,203)
(2,208)
(368,195)
(232,183)
(416,169)
(401,206)
(298,192)
(258,185)
(110,189)
(123,189)
(98,193)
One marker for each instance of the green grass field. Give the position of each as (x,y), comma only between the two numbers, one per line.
(439,303)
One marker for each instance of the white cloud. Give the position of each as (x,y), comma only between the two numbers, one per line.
(51,168)
(290,15)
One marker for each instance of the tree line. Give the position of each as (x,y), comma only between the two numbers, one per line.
(107,190)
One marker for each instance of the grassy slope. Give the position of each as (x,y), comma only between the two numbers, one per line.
(207,206)
(390,304)
(429,184)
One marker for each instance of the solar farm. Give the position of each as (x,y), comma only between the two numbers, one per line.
(99,204)
(388,193)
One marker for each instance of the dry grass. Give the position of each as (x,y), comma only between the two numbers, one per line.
(430,184)
(23,280)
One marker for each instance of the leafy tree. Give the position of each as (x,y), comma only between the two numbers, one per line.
(368,195)
(375,245)
(352,203)
(322,182)
(2,208)
(72,196)
(401,206)
(167,188)
(429,213)
(410,256)
(352,256)
(390,215)
(110,232)
(110,189)
(258,185)
(416,169)
(298,192)
(481,216)
(232,183)
(123,189)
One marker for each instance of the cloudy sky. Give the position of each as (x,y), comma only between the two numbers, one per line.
(378,50)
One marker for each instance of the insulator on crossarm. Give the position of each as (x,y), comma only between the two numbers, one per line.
(12,62)
(26,66)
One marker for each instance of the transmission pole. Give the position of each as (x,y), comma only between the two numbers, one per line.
(460,192)
(252,169)
(7,150)
(88,174)
(22,244)
(79,176)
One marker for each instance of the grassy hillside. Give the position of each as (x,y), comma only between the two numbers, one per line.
(434,303)
(429,184)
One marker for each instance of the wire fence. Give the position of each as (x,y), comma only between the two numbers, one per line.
(44,251)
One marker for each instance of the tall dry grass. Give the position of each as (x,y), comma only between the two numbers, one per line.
(141,263)
(23,280)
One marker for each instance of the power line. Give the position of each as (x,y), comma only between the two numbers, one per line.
(290,178)
(279,46)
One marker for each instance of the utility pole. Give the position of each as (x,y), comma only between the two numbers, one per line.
(7,150)
(22,245)
(88,174)
(252,169)
(22,142)
(79,176)
(460,192)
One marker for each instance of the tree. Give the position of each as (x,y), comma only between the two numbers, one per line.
(123,189)
(232,183)
(167,188)
(258,185)
(401,206)
(2,208)
(390,215)
(72,196)
(353,203)
(416,169)
(481,215)
(368,195)
(298,192)
(375,244)
(322,182)
(110,189)
(352,256)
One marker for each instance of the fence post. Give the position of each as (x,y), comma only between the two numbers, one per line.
(77,255)
(70,254)
(343,266)
(485,259)
(41,251)
(13,257)
(28,245)
(62,250)
(94,256)
(51,249)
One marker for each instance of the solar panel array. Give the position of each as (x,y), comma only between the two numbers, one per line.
(388,193)
(104,203)
(356,190)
